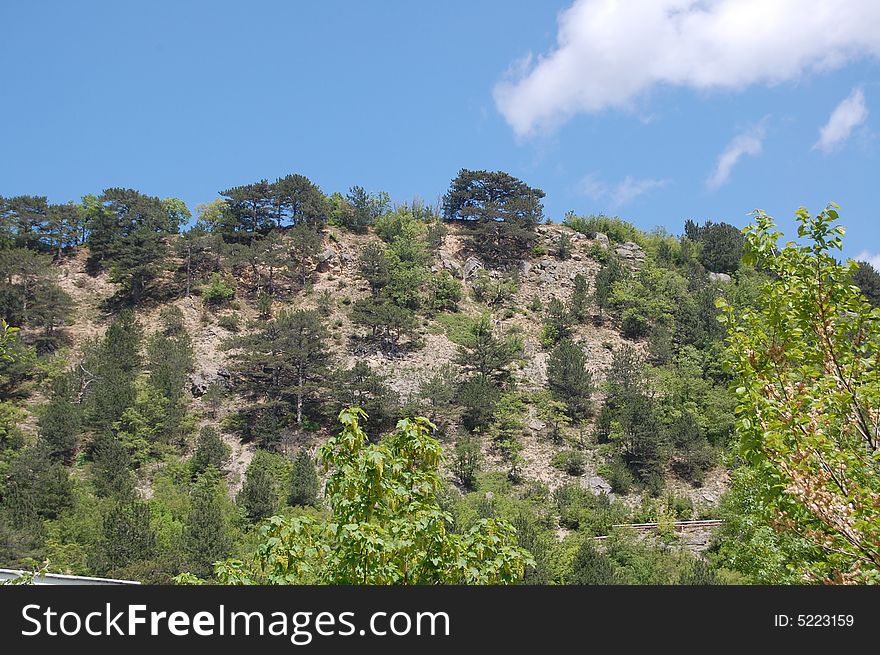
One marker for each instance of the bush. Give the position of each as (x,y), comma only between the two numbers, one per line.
(466,460)
(304,483)
(618,475)
(444,292)
(229,322)
(634,325)
(217,292)
(570,461)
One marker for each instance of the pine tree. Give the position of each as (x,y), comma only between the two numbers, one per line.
(569,379)
(304,484)
(286,361)
(867,279)
(127,535)
(590,567)
(211,451)
(111,472)
(485,355)
(207,536)
(258,496)
(61,421)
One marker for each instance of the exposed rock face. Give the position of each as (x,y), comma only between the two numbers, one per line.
(631,252)
(471,267)
(721,278)
(326,256)
(448,263)
(601,239)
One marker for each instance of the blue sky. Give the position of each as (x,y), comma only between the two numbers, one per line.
(605,109)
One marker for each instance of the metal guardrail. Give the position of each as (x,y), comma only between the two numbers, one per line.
(58,579)
(677,525)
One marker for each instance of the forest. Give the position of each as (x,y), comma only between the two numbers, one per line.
(291,387)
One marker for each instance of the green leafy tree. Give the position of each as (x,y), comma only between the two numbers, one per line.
(805,366)
(386,525)
(721,245)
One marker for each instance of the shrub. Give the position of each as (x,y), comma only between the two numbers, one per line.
(217,292)
(618,475)
(570,461)
(229,322)
(466,460)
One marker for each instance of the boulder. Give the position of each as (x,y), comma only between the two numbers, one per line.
(601,239)
(448,263)
(630,251)
(326,256)
(471,267)
(720,278)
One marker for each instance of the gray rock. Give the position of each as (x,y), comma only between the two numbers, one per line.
(721,278)
(598,485)
(326,256)
(525,267)
(448,263)
(471,267)
(536,425)
(601,239)
(630,251)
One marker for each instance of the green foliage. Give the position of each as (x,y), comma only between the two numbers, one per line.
(259,497)
(211,451)
(61,421)
(207,535)
(570,461)
(466,460)
(111,469)
(304,483)
(806,374)
(485,355)
(867,279)
(494,291)
(563,246)
(590,567)
(444,292)
(569,379)
(500,211)
(286,361)
(127,535)
(721,245)
(217,292)
(386,525)
(617,230)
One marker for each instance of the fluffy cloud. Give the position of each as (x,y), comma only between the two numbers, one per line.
(623,193)
(848,115)
(872,258)
(610,52)
(748,142)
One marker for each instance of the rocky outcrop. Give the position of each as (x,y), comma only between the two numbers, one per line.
(471,267)
(631,252)
(720,278)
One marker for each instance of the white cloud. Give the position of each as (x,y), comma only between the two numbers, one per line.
(848,115)
(748,142)
(609,52)
(623,193)
(872,258)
